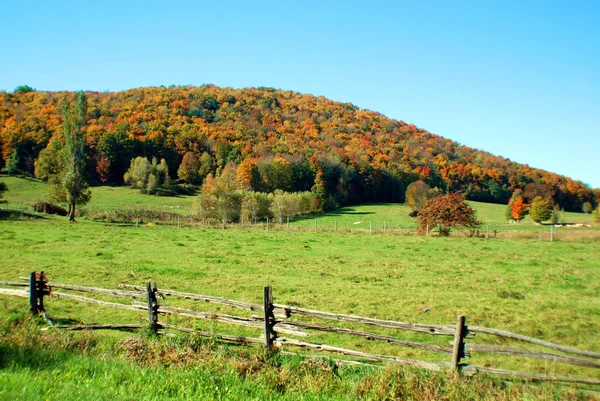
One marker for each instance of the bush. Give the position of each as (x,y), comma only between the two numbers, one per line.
(49,208)
(447,212)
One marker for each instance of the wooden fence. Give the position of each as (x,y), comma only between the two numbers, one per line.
(276,321)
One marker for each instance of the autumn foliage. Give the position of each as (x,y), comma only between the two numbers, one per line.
(288,137)
(445,213)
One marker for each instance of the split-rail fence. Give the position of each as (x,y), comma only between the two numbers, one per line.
(278,328)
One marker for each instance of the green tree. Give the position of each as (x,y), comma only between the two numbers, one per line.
(138,173)
(417,193)
(319,190)
(50,161)
(587,207)
(188,169)
(24,89)
(540,209)
(151,178)
(555,218)
(12,164)
(73,176)
(207,165)
(597,214)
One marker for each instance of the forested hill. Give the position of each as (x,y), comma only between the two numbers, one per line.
(363,155)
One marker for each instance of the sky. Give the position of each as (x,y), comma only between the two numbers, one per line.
(519,79)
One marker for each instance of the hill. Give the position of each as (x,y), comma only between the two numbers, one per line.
(281,139)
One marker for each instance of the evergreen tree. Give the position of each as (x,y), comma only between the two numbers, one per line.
(73,177)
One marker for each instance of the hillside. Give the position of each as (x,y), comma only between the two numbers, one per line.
(281,138)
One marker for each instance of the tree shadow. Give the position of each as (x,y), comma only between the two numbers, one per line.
(19,215)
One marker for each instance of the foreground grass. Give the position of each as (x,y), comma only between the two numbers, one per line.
(547,290)
(85,366)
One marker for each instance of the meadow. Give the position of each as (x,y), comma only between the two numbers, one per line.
(525,284)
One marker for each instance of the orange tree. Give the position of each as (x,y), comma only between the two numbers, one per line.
(447,212)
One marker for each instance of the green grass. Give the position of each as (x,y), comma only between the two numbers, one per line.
(22,193)
(549,290)
(67,366)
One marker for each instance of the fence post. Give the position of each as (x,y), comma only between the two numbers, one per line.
(371,227)
(269,318)
(336,225)
(152,306)
(267,224)
(458,346)
(315,225)
(33,305)
(551,233)
(288,222)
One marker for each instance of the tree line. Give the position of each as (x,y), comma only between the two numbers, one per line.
(276,140)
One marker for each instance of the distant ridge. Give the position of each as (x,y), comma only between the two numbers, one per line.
(363,155)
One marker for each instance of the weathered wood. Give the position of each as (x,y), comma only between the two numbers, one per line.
(458,345)
(104,291)
(152,306)
(547,356)
(33,303)
(471,370)
(224,337)
(205,298)
(371,357)
(368,336)
(268,317)
(236,320)
(14,284)
(97,302)
(521,337)
(98,327)
(421,328)
(18,293)
(240,321)
(80,288)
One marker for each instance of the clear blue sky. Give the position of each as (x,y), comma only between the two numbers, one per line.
(519,79)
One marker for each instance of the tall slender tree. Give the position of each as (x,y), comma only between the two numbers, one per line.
(73,178)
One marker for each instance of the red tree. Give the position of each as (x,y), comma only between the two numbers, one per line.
(519,209)
(447,212)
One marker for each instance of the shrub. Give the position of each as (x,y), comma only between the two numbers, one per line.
(49,208)
(447,212)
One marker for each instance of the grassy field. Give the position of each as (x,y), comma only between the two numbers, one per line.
(549,290)
(24,192)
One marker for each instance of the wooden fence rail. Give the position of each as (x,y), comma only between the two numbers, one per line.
(276,319)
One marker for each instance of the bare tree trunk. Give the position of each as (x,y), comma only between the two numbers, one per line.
(71,211)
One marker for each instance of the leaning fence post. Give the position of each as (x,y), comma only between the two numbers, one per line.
(269,318)
(458,346)
(152,306)
(33,305)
